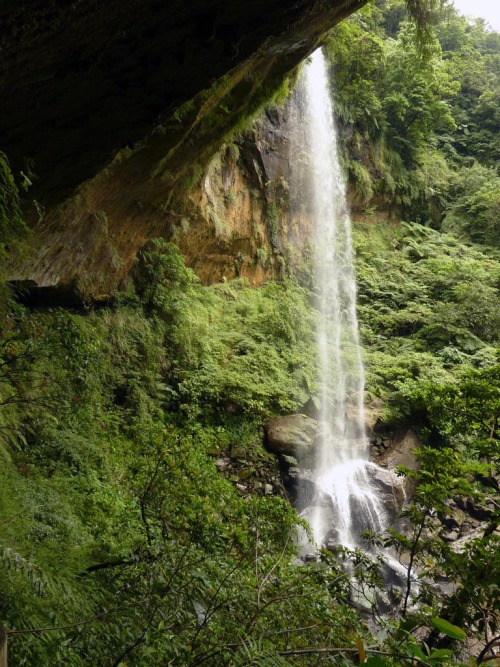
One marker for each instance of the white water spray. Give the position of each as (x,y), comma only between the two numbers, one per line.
(341,467)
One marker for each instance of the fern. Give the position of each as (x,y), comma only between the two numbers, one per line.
(14,561)
(424,14)
(11,222)
(362,179)
(222,229)
(258,653)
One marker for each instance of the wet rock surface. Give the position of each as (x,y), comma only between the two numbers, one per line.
(389,487)
(294,439)
(479,511)
(302,489)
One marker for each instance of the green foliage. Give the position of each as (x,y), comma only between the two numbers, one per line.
(475,209)
(448,629)
(424,14)
(114,521)
(362,179)
(470,406)
(241,349)
(358,55)
(416,96)
(463,466)
(118,533)
(11,223)
(110,499)
(414,122)
(262,256)
(12,228)
(163,280)
(428,307)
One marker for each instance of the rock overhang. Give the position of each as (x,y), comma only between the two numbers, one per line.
(83,78)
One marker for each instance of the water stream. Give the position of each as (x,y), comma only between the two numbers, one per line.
(341,468)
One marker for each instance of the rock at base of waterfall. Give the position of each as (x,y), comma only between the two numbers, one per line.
(289,461)
(477,510)
(332,541)
(397,449)
(370,415)
(303,491)
(390,488)
(449,535)
(293,435)
(454,520)
(332,544)
(311,557)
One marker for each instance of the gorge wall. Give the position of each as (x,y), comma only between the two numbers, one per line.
(232,221)
(231,217)
(83,80)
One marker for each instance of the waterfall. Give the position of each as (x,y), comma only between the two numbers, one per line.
(341,468)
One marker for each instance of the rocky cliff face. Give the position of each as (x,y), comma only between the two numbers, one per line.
(100,76)
(232,218)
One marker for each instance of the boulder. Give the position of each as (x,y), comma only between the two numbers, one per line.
(454,519)
(400,451)
(293,435)
(289,461)
(475,509)
(449,536)
(389,487)
(245,473)
(303,490)
(222,463)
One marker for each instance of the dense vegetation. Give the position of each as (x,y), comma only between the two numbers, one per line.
(113,509)
(421,132)
(422,129)
(141,520)
(429,308)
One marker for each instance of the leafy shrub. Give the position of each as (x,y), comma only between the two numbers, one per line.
(428,307)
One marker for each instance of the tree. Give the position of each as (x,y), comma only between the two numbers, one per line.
(467,417)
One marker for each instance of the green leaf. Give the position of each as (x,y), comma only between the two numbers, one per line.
(440,653)
(414,650)
(448,629)
(376,661)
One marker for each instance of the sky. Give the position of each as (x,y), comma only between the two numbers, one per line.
(486,9)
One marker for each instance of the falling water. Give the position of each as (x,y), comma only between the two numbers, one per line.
(341,468)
